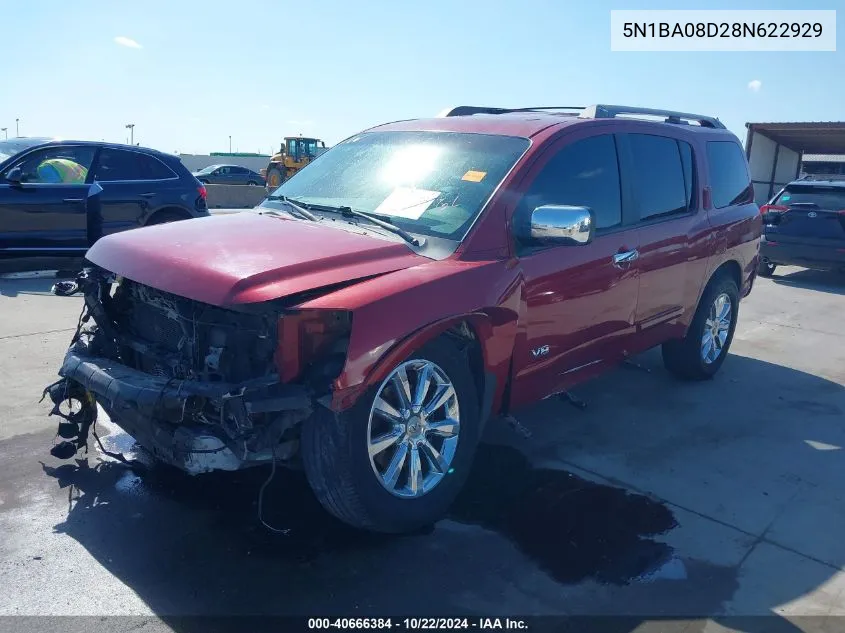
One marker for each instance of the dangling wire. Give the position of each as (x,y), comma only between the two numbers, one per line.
(261,497)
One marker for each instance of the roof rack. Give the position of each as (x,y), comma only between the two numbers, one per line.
(598,111)
(822,177)
(601,111)
(469,110)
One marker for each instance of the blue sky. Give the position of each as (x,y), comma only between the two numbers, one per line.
(261,71)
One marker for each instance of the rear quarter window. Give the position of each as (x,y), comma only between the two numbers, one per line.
(154,169)
(729,179)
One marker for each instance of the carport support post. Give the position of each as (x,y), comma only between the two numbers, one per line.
(774,170)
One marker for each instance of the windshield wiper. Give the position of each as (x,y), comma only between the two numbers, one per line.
(300,212)
(350,212)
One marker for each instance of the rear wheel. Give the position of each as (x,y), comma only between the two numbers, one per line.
(163,217)
(766,269)
(700,354)
(397,459)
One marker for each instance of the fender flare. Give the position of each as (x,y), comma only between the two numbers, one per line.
(482,325)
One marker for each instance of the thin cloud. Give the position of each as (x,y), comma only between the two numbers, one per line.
(128,42)
(754,85)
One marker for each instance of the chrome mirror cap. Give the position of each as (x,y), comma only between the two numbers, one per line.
(562,224)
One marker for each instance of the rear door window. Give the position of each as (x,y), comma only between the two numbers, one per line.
(117,165)
(659,181)
(729,179)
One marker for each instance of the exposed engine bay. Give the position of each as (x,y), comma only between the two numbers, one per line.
(201,387)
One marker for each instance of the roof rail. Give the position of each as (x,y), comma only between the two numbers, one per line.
(598,111)
(601,111)
(469,110)
(822,177)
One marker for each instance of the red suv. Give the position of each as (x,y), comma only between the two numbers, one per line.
(368,318)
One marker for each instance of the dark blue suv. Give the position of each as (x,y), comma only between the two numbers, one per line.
(59,197)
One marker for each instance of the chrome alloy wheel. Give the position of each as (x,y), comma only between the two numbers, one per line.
(716,328)
(413,428)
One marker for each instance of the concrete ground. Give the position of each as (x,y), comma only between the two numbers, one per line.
(663,501)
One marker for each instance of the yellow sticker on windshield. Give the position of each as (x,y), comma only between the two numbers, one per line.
(474,176)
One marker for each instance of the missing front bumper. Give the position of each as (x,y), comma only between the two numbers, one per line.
(168,418)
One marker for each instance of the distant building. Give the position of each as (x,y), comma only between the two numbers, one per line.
(823,164)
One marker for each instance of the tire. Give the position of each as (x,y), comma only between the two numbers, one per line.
(336,459)
(684,357)
(275,177)
(765,269)
(163,217)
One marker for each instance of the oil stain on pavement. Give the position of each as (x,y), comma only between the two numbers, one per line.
(572,528)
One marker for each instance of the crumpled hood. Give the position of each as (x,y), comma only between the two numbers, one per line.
(246,258)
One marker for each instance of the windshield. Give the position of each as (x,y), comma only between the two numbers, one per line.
(11,147)
(829,198)
(432,183)
(207,170)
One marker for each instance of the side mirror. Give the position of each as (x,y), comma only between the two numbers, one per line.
(559,224)
(14,176)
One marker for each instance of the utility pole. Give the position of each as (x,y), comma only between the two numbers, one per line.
(17,128)
(5,131)
(131,128)
(230,143)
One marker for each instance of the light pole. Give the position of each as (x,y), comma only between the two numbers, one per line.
(230,143)
(131,128)
(5,131)
(17,128)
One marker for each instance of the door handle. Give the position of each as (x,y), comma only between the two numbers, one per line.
(73,200)
(620,260)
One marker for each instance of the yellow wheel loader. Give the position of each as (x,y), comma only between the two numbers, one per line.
(296,153)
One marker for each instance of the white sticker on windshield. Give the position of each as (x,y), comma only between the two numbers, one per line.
(406,202)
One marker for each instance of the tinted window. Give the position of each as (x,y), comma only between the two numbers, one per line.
(116,164)
(826,198)
(658,175)
(728,174)
(57,165)
(154,169)
(239,170)
(689,174)
(585,173)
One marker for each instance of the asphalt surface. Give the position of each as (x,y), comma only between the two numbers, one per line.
(661,499)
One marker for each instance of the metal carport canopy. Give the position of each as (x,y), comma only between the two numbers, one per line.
(775,151)
(814,137)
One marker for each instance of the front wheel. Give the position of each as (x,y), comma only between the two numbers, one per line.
(700,354)
(397,459)
(275,177)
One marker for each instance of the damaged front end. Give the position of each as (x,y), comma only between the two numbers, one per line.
(201,387)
